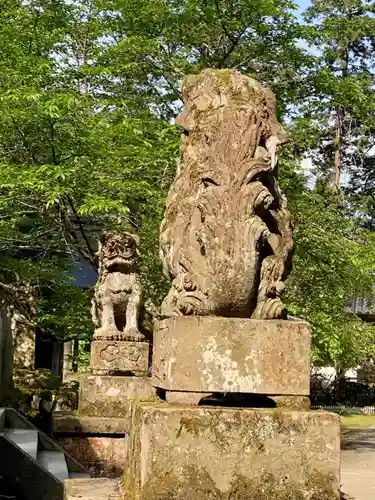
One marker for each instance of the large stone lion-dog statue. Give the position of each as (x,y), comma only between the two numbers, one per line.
(226,237)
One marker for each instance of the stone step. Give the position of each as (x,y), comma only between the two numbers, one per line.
(54,462)
(26,439)
(93,489)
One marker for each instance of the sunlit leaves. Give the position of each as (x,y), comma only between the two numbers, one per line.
(333,263)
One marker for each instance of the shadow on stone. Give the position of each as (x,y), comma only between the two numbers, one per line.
(234,400)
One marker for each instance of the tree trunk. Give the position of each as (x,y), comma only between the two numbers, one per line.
(68,360)
(338,146)
(6,353)
(22,332)
(340,115)
(339,383)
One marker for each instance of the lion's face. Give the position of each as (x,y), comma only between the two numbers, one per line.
(118,252)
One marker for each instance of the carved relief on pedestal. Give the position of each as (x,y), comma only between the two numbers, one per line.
(109,353)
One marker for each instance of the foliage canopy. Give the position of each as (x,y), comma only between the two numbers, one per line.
(88,92)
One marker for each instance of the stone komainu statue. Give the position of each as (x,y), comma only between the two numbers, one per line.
(118,293)
(226,238)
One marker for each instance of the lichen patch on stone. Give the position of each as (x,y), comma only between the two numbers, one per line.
(219,363)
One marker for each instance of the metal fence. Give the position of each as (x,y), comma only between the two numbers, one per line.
(368,410)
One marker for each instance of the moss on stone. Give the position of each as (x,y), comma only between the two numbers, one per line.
(188,480)
(115,407)
(225,75)
(286,425)
(192,484)
(107,409)
(292,402)
(220,430)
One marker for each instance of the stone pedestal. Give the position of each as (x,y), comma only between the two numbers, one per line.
(96,435)
(220,453)
(117,357)
(237,355)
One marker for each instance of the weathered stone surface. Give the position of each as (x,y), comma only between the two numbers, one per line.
(116,357)
(102,456)
(118,293)
(292,402)
(113,396)
(213,354)
(226,237)
(195,453)
(189,398)
(72,377)
(73,423)
(93,489)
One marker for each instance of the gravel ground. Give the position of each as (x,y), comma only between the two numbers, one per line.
(358,463)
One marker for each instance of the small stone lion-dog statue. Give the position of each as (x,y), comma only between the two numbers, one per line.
(118,297)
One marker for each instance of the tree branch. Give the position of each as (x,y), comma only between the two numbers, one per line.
(81,227)
(229,36)
(25,141)
(33,33)
(52,130)
(71,232)
(233,39)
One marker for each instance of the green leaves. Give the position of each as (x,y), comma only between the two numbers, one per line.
(80,148)
(333,264)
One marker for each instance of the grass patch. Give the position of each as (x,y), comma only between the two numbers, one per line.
(358,420)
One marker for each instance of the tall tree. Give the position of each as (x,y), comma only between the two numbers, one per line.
(333,262)
(88,92)
(158,42)
(339,111)
(71,151)
(334,126)
(80,109)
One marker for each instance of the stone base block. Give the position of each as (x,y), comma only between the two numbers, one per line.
(236,355)
(106,396)
(73,424)
(115,357)
(102,456)
(97,443)
(195,453)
